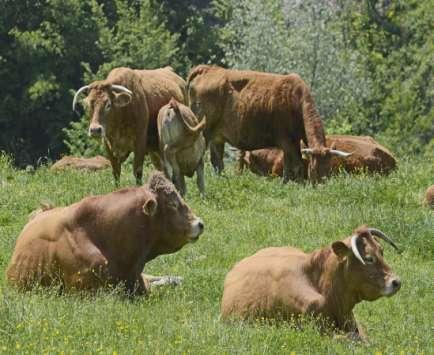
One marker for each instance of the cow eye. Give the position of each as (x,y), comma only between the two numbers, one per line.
(108,106)
(369,259)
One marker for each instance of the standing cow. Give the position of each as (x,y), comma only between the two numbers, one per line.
(280,283)
(252,110)
(124,109)
(104,240)
(182,144)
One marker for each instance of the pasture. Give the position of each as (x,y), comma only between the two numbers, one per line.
(242,214)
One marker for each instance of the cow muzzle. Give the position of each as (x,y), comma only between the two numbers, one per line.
(96,130)
(392,286)
(197,228)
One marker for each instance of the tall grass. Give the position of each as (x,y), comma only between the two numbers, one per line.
(242,214)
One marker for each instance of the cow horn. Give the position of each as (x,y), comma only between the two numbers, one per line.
(355,250)
(381,235)
(199,127)
(121,88)
(79,91)
(340,153)
(307,151)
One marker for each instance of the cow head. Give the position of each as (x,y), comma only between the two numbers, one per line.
(102,98)
(319,166)
(179,224)
(366,273)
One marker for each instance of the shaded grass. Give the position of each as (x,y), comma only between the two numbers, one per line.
(242,214)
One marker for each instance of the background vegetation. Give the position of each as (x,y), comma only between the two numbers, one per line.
(369,62)
(242,214)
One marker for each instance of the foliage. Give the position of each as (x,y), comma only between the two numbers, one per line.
(369,62)
(242,214)
(301,37)
(41,46)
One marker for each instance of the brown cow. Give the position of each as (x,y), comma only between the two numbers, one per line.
(104,239)
(429,197)
(182,144)
(252,110)
(367,155)
(92,164)
(124,109)
(280,283)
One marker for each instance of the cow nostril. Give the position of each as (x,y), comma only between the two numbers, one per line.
(96,130)
(201,226)
(396,283)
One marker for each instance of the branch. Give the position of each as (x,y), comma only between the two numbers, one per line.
(383,22)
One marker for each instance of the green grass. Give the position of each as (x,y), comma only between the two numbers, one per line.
(242,214)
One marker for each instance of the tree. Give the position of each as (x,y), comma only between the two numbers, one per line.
(42,45)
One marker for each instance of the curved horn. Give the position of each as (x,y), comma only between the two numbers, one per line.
(121,88)
(381,235)
(355,250)
(307,151)
(199,127)
(79,91)
(340,153)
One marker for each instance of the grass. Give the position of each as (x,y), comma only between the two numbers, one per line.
(242,214)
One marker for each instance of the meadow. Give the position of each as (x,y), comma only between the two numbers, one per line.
(242,214)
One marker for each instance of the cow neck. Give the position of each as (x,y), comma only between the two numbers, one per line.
(330,278)
(313,124)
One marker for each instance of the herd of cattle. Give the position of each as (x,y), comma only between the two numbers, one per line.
(272,120)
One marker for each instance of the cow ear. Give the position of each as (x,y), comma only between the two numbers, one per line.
(341,249)
(150,206)
(121,99)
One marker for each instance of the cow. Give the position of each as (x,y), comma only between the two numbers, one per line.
(182,144)
(252,110)
(124,109)
(104,240)
(90,164)
(429,197)
(281,283)
(367,155)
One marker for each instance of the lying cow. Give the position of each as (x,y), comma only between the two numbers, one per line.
(279,283)
(367,155)
(91,164)
(104,239)
(124,109)
(429,197)
(182,144)
(252,110)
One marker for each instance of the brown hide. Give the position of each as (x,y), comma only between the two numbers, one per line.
(252,110)
(129,123)
(279,283)
(104,239)
(429,197)
(92,164)
(182,144)
(367,155)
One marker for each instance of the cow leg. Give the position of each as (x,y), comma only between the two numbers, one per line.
(156,161)
(173,170)
(137,286)
(116,166)
(217,152)
(292,161)
(138,168)
(200,178)
(167,163)
(139,157)
(180,184)
(241,163)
